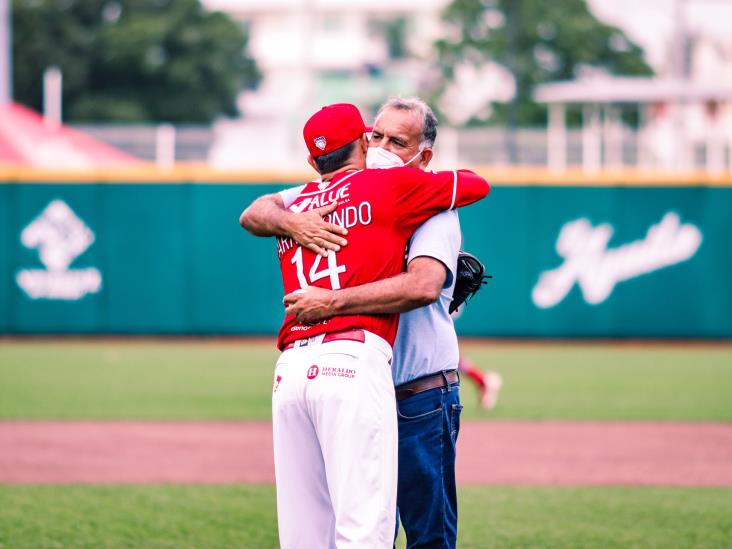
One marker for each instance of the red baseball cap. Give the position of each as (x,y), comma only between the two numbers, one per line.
(332,127)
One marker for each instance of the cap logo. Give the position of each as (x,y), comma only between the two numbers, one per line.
(320,142)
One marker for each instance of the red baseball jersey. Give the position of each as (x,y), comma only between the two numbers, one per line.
(381,209)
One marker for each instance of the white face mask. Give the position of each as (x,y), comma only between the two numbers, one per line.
(380,158)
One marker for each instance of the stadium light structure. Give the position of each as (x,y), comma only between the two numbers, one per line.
(6,59)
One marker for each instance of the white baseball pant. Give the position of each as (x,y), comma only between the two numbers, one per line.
(335,445)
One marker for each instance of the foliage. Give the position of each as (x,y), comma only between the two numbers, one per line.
(537,42)
(394,32)
(132,60)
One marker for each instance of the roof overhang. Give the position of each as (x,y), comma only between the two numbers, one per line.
(606,89)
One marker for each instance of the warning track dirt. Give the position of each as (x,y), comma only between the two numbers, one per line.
(495,452)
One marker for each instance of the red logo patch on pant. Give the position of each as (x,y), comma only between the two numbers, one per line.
(276,383)
(313,372)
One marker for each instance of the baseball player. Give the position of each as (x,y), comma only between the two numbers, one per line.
(333,413)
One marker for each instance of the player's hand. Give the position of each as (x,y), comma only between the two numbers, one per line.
(311,231)
(310,305)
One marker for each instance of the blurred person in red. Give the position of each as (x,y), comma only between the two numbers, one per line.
(489,383)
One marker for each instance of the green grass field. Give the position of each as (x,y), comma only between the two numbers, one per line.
(210,517)
(232,380)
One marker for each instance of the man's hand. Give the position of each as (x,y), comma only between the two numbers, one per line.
(311,231)
(310,305)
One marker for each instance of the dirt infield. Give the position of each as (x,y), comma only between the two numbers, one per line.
(510,453)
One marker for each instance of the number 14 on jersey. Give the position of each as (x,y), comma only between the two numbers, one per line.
(332,270)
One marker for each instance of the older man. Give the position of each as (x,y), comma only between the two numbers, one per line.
(426,350)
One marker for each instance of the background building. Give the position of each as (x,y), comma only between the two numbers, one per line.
(315,52)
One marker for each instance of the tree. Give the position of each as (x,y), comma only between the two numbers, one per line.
(132,60)
(537,41)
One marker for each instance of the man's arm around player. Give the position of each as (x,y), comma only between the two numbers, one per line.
(419,286)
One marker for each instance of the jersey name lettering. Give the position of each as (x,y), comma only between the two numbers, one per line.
(351,216)
(347,217)
(322,199)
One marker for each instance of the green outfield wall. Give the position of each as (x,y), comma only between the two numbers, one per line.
(567,261)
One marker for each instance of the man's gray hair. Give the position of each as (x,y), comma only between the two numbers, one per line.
(422,109)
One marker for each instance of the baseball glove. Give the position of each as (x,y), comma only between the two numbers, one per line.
(470,278)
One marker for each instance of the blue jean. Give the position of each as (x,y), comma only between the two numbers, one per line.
(426,495)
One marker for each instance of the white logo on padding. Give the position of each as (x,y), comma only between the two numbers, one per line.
(597,269)
(60,237)
(320,142)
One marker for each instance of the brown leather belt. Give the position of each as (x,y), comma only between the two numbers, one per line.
(346,335)
(426,383)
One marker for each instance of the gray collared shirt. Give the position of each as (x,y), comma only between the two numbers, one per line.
(426,341)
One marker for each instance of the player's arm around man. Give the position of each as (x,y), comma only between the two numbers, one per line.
(267,216)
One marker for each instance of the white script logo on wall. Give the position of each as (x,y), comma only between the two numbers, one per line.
(60,237)
(597,269)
